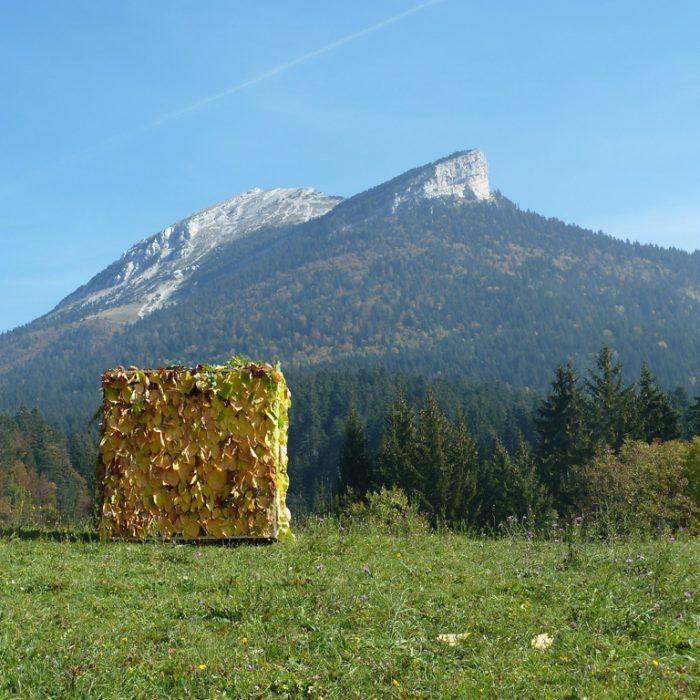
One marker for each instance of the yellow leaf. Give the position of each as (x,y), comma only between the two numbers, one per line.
(216,479)
(542,642)
(190,527)
(452,639)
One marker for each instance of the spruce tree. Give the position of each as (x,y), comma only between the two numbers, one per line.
(461,502)
(515,488)
(657,419)
(447,459)
(355,462)
(612,417)
(395,459)
(431,457)
(535,501)
(500,482)
(563,438)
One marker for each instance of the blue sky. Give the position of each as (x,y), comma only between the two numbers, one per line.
(121,117)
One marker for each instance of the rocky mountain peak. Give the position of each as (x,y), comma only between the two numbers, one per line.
(464,174)
(147,275)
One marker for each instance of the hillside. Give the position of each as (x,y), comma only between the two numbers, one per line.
(428,273)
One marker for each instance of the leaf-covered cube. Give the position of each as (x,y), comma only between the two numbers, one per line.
(194,453)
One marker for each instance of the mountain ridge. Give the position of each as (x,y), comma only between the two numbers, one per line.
(455,283)
(136,280)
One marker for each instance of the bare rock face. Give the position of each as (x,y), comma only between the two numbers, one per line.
(150,273)
(461,175)
(464,175)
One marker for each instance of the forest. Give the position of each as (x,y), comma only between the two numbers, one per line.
(467,454)
(481,291)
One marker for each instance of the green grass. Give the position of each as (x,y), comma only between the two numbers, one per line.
(349,614)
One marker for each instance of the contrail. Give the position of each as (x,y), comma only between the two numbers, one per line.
(232,90)
(272,72)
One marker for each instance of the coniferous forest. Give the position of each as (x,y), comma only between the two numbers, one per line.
(596,443)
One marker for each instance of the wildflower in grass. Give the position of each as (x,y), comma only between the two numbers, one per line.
(395,683)
(656,605)
(573,625)
(202,667)
(398,555)
(687,595)
(655,662)
(365,568)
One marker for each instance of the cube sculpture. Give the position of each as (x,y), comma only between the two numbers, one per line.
(194,453)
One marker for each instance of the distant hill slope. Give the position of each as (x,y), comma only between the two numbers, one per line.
(429,272)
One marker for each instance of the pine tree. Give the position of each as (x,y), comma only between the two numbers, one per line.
(611,403)
(355,464)
(657,419)
(563,438)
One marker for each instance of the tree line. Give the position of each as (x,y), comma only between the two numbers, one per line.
(466,452)
(584,430)
(46,477)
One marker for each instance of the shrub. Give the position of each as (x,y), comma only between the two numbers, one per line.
(389,511)
(644,486)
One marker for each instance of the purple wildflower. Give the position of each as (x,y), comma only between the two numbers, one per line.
(687,595)
(365,568)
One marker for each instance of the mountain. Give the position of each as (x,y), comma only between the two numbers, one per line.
(430,272)
(157,270)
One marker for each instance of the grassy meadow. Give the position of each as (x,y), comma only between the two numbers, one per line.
(346,612)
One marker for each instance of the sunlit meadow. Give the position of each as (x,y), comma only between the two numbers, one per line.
(347,612)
